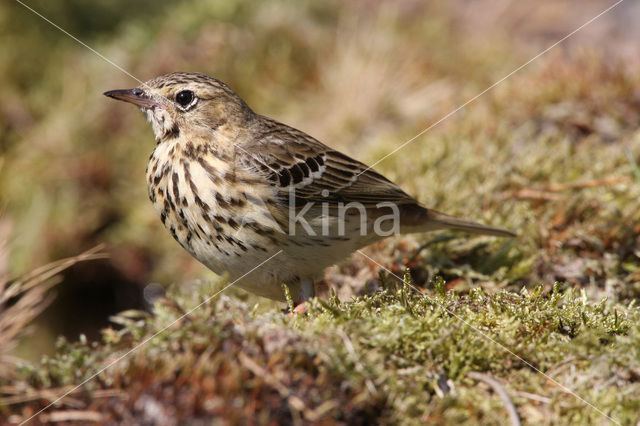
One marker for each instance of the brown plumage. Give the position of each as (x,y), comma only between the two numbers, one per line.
(234,188)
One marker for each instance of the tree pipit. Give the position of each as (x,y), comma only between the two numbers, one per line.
(234,187)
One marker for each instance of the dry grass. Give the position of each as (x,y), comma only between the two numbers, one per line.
(23,299)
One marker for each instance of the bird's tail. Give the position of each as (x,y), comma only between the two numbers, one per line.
(437,220)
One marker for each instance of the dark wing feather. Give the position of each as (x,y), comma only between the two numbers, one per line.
(293,160)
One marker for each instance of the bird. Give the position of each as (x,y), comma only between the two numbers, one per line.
(236,188)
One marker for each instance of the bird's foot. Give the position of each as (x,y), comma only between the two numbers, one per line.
(307,291)
(300,309)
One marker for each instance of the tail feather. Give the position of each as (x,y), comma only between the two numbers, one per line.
(437,220)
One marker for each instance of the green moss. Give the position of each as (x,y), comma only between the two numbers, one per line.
(395,356)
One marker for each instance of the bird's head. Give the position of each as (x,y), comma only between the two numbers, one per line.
(186,102)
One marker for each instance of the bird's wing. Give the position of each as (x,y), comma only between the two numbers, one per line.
(294,161)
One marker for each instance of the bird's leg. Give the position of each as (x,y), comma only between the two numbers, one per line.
(307,291)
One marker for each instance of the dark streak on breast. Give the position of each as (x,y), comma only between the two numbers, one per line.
(209,169)
(204,206)
(221,201)
(190,151)
(171,133)
(176,192)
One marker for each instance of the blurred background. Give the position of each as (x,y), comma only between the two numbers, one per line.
(363,76)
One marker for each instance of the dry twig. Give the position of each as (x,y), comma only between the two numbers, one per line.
(497,387)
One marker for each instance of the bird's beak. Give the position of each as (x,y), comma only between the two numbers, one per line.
(135,96)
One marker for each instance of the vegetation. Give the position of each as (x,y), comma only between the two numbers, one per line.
(437,328)
(393,356)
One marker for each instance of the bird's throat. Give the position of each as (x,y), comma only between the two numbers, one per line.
(163,125)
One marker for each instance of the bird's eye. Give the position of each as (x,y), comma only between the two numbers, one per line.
(185,98)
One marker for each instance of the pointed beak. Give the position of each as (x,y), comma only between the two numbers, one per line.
(135,96)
